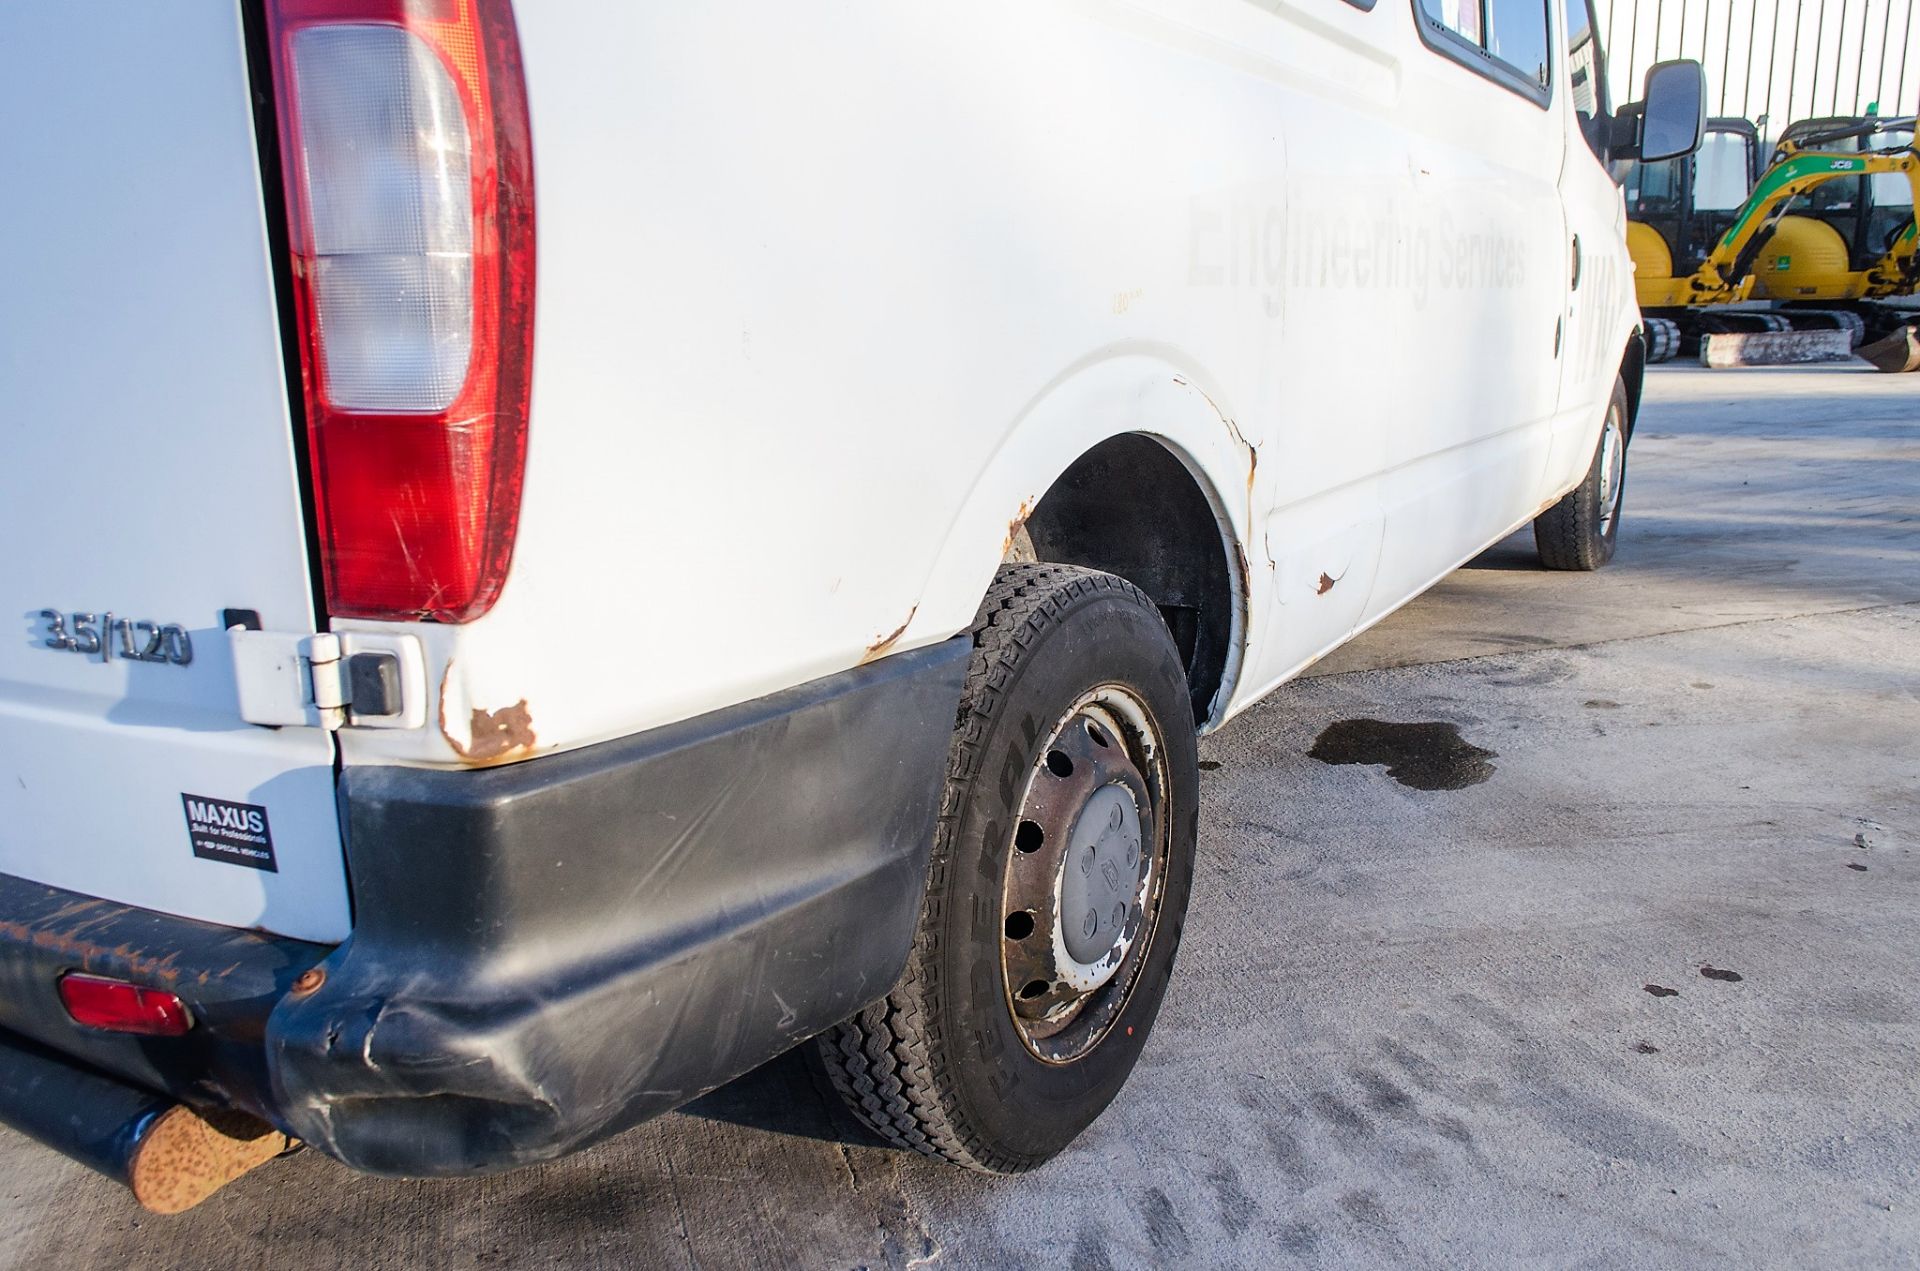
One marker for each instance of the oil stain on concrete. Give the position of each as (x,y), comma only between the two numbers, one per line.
(1422,756)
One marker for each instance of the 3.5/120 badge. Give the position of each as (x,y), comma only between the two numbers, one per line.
(106,637)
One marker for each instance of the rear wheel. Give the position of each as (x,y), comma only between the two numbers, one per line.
(1058,884)
(1580,530)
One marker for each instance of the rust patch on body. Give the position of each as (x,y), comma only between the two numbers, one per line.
(1253,471)
(1014,527)
(1327,581)
(71,943)
(492,736)
(879,647)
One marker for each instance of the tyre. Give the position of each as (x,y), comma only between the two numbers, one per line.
(1580,530)
(1057,888)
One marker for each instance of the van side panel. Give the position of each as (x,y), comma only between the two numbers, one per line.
(780,351)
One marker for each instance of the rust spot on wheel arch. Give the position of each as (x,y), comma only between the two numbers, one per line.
(1325,584)
(1017,524)
(880,646)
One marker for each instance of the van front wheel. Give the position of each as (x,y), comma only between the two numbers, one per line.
(1580,530)
(1057,888)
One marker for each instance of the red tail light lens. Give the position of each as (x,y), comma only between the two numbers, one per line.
(118,1007)
(409,181)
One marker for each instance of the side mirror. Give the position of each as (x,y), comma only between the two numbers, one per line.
(1671,119)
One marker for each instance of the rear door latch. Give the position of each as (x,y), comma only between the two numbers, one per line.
(350,679)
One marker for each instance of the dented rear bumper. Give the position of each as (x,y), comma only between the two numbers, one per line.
(548,952)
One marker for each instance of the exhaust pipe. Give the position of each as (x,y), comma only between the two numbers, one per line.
(170,1156)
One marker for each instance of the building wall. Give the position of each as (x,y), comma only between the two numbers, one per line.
(1778,59)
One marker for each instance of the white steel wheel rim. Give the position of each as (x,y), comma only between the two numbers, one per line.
(1613,470)
(1064,997)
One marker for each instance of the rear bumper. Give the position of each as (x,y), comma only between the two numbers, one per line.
(547,952)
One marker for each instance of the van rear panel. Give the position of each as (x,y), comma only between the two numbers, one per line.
(150,479)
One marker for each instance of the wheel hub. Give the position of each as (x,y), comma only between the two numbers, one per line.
(1100,875)
(1084,875)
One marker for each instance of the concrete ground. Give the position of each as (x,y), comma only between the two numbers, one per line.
(1409,1027)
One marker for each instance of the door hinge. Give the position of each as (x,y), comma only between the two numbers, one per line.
(348,679)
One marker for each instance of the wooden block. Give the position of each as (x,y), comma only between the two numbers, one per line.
(1775,348)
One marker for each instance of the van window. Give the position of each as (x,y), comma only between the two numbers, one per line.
(1517,35)
(1587,74)
(1508,36)
(1462,17)
(1583,84)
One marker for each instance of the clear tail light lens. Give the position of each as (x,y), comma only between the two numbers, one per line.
(410,200)
(385,164)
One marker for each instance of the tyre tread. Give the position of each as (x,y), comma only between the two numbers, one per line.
(887,1062)
(1567,535)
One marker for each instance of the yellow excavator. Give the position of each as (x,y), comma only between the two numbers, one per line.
(1826,231)
(1850,239)
(1853,240)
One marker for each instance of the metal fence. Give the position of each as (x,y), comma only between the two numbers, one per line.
(1774,61)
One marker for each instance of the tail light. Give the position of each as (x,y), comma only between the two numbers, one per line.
(409,182)
(116,1006)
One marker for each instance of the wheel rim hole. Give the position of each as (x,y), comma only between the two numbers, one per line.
(1099,735)
(1033,989)
(1029,836)
(1059,764)
(1020,925)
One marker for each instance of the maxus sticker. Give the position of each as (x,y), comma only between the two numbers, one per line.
(235,833)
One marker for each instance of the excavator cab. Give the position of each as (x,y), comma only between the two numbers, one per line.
(1678,209)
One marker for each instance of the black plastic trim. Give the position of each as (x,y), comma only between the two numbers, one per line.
(228,977)
(543,953)
(547,952)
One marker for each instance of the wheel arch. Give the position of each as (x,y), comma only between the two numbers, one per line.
(1633,373)
(1123,464)
(1131,506)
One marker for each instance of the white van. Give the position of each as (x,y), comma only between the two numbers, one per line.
(560,550)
